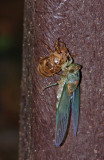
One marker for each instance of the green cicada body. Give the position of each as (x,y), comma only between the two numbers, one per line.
(67,95)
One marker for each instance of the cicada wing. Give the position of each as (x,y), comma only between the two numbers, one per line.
(62,116)
(75,108)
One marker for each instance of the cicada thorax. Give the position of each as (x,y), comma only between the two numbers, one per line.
(52,64)
(73,77)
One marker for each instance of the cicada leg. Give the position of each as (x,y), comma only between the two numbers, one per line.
(74,55)
(47,46)
(57,46)
(50,86)
(62,42)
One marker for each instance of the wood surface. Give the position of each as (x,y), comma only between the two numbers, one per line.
(81,26)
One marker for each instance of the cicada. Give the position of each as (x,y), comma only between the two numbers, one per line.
(51,64)
(68,89)
(68,101)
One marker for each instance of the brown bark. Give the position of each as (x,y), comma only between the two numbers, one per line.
(81,25)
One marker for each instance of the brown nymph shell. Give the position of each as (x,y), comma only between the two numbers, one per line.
(52,64)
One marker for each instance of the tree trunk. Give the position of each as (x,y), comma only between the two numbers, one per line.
(81,26)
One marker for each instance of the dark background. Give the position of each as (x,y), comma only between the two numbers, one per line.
(81,25)
(11,35)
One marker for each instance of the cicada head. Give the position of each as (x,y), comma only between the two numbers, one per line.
(74,68)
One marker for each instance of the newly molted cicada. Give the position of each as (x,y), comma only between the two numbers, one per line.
(68,89)
(51,64)
(68,100)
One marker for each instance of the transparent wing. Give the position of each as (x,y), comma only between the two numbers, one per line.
(62,116)
(75,109)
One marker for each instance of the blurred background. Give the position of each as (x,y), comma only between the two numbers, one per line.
(11,35)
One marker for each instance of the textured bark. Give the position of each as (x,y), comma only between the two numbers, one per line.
(81,25)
